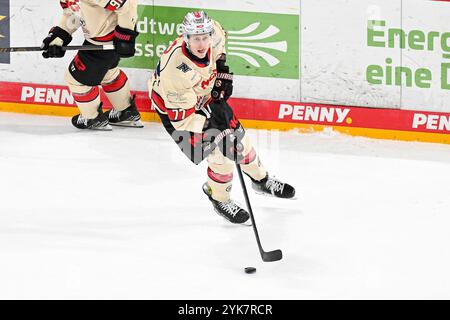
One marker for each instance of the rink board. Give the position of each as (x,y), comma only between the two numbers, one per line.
(389,54)
(260,114)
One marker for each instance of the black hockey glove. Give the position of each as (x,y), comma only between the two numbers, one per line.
(219,115)
(124,42)
(223,86)
(223,130)
(53,43)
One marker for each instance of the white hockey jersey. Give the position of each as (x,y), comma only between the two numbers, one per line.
(180,84)
(98,18)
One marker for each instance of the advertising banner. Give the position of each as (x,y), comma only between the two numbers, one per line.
(426,53)
(383,54)
(373,68)
(263,48)
(335,53)
(259,44)
(262,114)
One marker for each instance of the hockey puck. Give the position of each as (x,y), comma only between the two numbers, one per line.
(250,270)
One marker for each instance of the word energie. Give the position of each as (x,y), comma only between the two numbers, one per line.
(380,37)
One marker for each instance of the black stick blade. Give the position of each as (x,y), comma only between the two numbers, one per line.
(272,256)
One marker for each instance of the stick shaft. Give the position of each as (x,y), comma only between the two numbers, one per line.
(250,211)
(266,256)
(70,48)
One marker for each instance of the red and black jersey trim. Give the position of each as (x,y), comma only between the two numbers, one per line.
(174,115)
(159,101)
(117,84)
(168,59)
(250,157)
(66,4)
(219,178)
(106,38)
(202,63)
(114,5)
(89,96)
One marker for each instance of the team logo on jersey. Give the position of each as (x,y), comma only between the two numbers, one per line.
(4,30)
(205,84)
(184,67)
(242,45)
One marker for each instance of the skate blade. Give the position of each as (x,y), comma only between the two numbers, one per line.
(129,124)
(247,223)
(272,196)
(104,128)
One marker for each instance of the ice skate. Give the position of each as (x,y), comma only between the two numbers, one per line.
(229,210)
(273,187)
(98,123)
(130,117)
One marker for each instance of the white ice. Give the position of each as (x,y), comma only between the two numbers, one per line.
(121,215)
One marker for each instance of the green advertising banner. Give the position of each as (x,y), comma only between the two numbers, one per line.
(259,44)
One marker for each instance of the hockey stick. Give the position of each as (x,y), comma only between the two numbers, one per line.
(81,48)
(266,256)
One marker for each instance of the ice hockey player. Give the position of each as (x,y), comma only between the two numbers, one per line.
(189,90)
(103,22)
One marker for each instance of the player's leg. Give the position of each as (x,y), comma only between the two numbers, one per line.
(87,99)
(116,86)
(262,183)
(251,164)
(218,188)
(84,75)
(220,171)
(223,119)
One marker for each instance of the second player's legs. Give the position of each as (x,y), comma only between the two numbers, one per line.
(116,86)
(84,75)
(87,71)
(86,97)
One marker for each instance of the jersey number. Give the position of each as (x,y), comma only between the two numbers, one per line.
(113,5)
(178,113)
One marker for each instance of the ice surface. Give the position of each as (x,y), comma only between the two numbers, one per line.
(121,215)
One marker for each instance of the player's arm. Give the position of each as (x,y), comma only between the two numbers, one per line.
(70,21)
(219,40)
(61,35)
(223,85)
(125,33)
(214,122)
